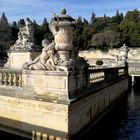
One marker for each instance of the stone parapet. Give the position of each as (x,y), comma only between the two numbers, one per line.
(39,120)
(56,85)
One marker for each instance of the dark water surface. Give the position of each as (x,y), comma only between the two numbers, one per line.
(122,123)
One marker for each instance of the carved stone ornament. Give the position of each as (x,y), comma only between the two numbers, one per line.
(123,54)
(60,54)
(25,41)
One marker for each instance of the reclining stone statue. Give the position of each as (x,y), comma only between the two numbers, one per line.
(46,60)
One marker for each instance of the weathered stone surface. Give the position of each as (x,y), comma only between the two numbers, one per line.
(55,120)
(17,59)
(63,86)
(63,55)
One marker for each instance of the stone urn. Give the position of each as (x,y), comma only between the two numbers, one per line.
(63,34)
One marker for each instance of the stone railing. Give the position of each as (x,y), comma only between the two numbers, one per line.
(14,77)
(10,77)
(106,74)
(134,67)
(96,75)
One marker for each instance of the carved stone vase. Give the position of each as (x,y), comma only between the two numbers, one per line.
(64,36)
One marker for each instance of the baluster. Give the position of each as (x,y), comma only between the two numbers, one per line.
(20,80)
(10,79)
(91,77)
(97,76)
(4,78)
(14,79)
(1,78)
(33,135)
(44,136)
(38,135)
(17,80)
(51,137)
(103,76)
(58,138)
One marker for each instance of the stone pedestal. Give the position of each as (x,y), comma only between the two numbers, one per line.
(17,59)
(57,86)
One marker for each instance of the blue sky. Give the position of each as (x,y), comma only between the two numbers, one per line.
(38,9)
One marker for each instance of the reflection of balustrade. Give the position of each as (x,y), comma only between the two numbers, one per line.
(10,77)
(106,74)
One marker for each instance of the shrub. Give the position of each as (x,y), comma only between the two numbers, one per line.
(99,62)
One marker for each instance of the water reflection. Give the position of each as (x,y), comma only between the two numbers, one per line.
(7,136)
(122,123)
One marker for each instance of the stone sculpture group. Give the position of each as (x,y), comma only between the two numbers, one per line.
(60,54)
(25,41)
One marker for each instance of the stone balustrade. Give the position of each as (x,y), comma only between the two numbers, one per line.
(96,76)
(44,136)
(106,74)
(121,71)
(14,77)
(50,96)
(134,69)
(10,77)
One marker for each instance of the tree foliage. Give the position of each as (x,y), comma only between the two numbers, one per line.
(100,32)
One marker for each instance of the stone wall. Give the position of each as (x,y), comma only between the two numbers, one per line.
(93,55)
(87,110)
(24,117)
(56,121)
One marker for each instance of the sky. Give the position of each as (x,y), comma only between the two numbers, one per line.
(40,9)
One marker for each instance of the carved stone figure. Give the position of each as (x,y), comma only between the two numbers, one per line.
(60,54)
(18,44)
(46,60)
(123,54)
(25,41)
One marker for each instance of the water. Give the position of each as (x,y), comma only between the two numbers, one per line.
(122,123)
(7,136)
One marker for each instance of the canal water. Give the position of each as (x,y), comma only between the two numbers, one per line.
(122,123)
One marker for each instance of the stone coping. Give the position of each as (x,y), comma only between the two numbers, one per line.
(54,73)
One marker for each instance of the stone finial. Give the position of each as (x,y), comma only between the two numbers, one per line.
(63,11)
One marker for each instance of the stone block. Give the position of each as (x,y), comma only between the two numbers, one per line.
(17,59)
(56,85)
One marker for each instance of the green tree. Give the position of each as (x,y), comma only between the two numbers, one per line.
(5,33)
(14,32)
(133,16)
(105,40)
(21,23)
(117,18)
